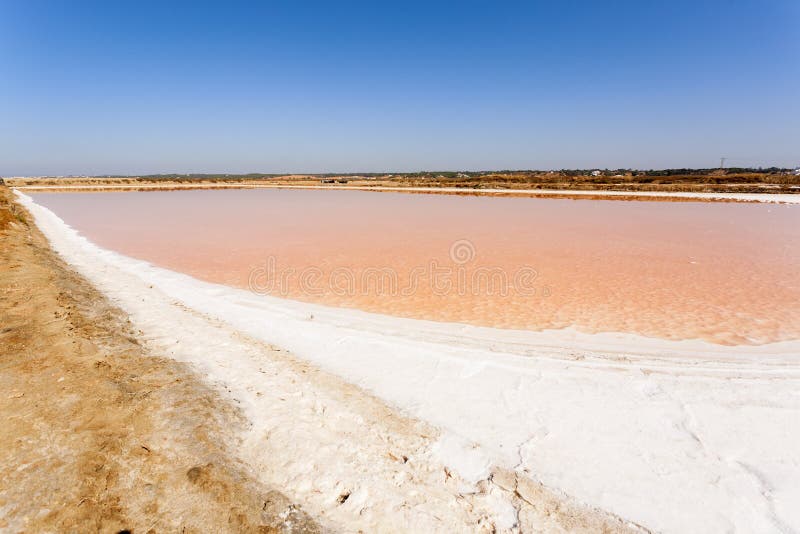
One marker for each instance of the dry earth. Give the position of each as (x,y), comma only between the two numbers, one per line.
(97,435)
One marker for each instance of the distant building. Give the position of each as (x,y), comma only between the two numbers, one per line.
(796,172)
(596,173)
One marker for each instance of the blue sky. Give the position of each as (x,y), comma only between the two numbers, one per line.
(149,87)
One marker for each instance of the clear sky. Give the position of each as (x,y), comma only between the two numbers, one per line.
(297,86)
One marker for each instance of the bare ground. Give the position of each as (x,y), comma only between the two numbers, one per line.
(98,435)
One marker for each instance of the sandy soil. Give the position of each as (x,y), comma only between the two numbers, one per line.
(97,434)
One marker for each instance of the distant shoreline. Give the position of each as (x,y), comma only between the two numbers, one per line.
(531,182)
(30,186)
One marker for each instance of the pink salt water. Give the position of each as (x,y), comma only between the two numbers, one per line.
(723,272)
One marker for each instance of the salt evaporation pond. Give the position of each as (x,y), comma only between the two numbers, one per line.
(723,272)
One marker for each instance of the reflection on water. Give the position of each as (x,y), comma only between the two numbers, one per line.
(724,272)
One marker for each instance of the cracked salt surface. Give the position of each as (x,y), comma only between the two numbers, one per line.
(676,436)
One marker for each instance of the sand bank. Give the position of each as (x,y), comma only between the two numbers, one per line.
(101,433)
(677,436)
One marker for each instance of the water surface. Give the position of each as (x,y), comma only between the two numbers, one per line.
(724,272)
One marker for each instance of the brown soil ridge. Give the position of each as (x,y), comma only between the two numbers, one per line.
(97,434)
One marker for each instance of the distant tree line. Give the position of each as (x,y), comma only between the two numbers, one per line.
(471,175)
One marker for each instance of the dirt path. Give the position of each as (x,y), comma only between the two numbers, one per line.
(97,435)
